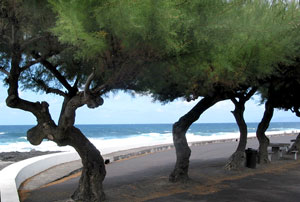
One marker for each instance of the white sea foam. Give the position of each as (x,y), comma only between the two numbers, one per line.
(2,133)
(26,146)
(145,139)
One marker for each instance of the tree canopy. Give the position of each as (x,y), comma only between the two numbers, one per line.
(193,45)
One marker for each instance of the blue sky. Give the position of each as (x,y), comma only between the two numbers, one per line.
(121,108)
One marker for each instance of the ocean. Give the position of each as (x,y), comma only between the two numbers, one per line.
(110,138)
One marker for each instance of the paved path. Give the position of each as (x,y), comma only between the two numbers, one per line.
(145,178)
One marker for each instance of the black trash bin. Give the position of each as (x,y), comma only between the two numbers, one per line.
(251,155)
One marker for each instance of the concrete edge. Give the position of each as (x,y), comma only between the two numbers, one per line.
(13,175)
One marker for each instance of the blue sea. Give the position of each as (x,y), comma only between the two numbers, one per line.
(109,138)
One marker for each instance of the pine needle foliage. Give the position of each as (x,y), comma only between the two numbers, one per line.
(189,47)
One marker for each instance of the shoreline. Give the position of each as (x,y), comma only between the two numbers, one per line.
(110,139)
(8,158)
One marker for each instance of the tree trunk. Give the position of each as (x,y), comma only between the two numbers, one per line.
(183,152)
(237,159)
(90,184)
(260,134)
(296,145)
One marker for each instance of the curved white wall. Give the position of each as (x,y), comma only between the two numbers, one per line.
(12,176)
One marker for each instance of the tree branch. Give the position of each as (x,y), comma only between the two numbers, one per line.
(235,102)
(4,71)
(29,64)
(47,89)
(251,93)
(76,82)
(88,83)
(55,72)
(67,116)
(100,90)
(93,99)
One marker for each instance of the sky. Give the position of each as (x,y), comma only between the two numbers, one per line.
(122,108)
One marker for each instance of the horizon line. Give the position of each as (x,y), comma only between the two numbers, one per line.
(150,123)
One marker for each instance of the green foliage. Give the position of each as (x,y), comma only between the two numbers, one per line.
(75,26)
(185,48)
(245,42)
(27,24)
(282,88)
(90,24)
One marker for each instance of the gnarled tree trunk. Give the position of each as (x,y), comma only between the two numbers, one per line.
(236,161)
(260,133)
(90,184)
(64,133)
(183,152)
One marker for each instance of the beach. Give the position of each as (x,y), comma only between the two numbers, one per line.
(7,158)
(145,177)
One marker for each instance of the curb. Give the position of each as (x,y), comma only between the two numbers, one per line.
(13,175)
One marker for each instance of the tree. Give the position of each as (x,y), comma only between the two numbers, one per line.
(32,57)
(194,71)
(154,33)
(190,48)
(236,161)
(279,91)
(268,12)
(236,67)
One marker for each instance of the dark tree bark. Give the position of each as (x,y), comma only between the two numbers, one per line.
(236,161)
(90,184)
(64,133)
(93,173)
(260,133)
(183,152)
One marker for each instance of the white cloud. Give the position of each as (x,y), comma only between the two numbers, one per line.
(159,110)
(117,97)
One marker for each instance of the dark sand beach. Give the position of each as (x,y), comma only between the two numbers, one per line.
(145,178)
(7,158)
